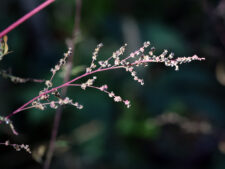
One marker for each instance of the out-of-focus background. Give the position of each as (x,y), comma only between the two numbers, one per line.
(177,119)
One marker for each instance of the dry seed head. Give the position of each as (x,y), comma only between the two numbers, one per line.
(17,147)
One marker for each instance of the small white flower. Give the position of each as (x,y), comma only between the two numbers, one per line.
(132,55)
(111,94)
(67,100)
(117,62)
(88,70)
(83,86)
(48,83)
(117,99)
(127,103)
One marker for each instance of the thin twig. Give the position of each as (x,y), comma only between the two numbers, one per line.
(59,87)
(72,44)
(26,17)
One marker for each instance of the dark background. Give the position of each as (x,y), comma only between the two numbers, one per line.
(177,119)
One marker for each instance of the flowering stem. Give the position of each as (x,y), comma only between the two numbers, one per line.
(58,87)
(177,61)
(25,17)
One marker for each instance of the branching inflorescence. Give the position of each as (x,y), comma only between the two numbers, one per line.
(17,147)
(50,96)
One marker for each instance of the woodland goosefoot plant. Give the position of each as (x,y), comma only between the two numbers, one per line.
(51,97)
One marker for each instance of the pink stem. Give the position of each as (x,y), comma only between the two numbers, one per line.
(25,17)
(64,85)
(77,78)
(61,86)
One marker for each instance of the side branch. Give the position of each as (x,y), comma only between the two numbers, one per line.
(23,107)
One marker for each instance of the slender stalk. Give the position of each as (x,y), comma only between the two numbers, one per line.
(25,17)
(69,66)
(178,61)
(80,77)
(59,87)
